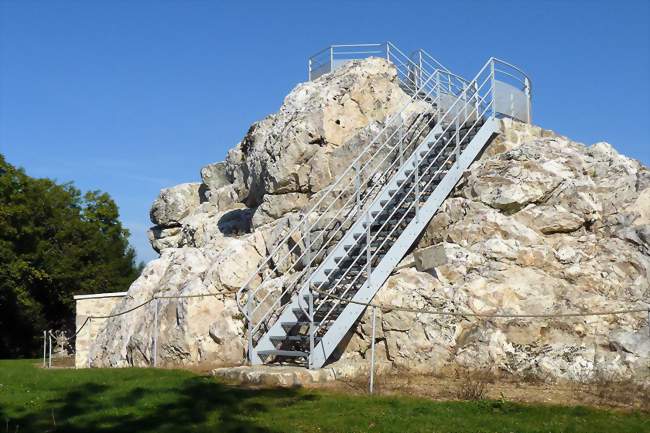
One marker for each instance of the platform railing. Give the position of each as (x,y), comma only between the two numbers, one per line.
(331,58)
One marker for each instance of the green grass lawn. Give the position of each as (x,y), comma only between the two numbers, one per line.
(145,400)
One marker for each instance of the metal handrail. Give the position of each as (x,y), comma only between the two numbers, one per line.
(526,79)
(425,60)
(332,235)
(366,200)
(343,176)
(399,206)
(474,96)
(477,110)
(438,65)
(331,226)
(335,52)
(321,63)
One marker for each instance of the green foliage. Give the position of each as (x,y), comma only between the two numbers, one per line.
(147,400)
(54,243)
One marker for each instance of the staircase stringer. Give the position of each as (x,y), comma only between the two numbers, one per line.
(346,319)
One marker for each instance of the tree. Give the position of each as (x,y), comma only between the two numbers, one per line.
(54,243)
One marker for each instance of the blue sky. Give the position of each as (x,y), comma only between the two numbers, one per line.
(133,96)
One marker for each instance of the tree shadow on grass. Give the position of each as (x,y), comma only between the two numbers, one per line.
(199,404)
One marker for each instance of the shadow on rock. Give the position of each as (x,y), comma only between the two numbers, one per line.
(235,222)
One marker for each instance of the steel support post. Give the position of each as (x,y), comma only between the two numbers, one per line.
(331,58)
(417,186)
(457,139)
(311,329)
(527,91)
(357,184)
(249,312)
(420,70)
(310,299)
(155,333)
(372,350)
(476,100)
(368,252)
(401,141)
(309,69)
(493,90)
(44,348)
(308,258)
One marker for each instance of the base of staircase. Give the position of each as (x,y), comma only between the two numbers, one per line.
(290,376)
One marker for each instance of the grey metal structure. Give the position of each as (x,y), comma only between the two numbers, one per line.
(358,229)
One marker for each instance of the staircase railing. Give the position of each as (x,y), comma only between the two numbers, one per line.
(346,197)
(332,57)
(478,101)
(449,82)
(359,174)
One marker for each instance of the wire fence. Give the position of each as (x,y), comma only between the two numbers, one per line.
(48,336)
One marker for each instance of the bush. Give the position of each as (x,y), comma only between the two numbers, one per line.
(473,383)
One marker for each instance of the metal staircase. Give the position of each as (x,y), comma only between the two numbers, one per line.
(347,244)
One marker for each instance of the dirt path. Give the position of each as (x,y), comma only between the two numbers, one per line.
(619,395)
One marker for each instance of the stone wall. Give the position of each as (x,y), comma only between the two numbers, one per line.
(91,305)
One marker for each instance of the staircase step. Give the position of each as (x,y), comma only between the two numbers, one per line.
(335,271)
(280,338)
(297,323)
(287,353)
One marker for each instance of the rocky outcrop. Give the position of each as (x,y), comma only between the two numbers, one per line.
(538,225)
(174,204)
(547,226)
(287,157)
(204,231)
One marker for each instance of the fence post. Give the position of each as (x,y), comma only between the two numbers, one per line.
(49,339)
(372,350)
(89,331)
(155,332)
